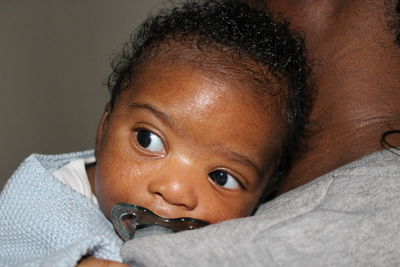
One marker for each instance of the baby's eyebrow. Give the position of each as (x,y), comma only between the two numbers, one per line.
(240,158)
(158,113)
(233,155)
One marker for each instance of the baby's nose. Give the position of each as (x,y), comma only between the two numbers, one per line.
(175,189)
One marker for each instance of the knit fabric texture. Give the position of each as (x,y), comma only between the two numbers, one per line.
(44,222)
(349,217)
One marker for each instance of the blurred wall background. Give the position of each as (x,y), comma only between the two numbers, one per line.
(54,60)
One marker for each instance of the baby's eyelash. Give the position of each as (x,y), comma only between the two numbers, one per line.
(225,179)
(149,140)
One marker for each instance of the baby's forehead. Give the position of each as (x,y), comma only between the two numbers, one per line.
(201,108)
(217,62)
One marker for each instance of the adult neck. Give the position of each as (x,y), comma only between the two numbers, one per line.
(356,68)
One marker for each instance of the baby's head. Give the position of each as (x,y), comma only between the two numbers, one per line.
(207,104)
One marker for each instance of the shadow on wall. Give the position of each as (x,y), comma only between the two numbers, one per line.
(55,58)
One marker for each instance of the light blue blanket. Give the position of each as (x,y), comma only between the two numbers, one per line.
(45,223)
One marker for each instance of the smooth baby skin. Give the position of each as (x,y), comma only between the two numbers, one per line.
(210,149)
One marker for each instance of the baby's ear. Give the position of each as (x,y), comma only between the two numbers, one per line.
(103,125)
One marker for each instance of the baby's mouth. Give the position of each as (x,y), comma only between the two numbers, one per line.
(131,221)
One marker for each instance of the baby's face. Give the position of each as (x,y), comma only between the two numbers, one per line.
(184,143)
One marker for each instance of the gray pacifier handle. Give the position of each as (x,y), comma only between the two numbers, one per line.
(131,221)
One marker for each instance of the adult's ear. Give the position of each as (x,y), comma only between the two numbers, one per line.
(103,126)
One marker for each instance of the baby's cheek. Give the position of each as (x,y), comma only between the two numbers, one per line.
(218,210)
(119,182)
(106,185)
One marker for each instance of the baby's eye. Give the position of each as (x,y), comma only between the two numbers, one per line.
(149,141)
(224,179)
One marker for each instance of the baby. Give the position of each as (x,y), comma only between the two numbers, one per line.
(208,102)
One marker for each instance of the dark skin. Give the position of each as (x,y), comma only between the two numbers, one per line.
(186,110)
(356,67)
(91,261)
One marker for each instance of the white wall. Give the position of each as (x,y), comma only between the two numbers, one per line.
(54,60)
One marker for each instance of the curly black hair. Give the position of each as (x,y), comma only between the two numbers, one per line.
(238,29)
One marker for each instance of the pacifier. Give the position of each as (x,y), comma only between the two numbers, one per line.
(131,221)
